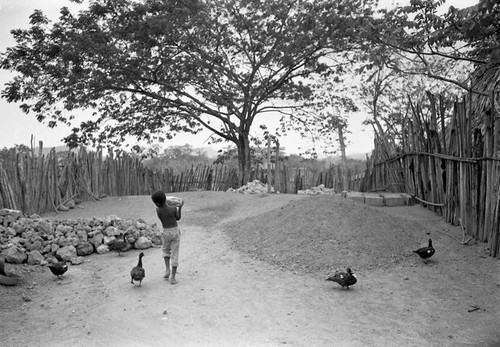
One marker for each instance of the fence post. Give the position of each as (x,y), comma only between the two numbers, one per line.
(269,173)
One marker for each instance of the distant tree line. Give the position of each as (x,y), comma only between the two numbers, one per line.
(180,157)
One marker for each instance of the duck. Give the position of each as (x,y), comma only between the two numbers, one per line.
(345,279)
(138,273)
(426,252)
(7,278)
(58,268)
(120,245)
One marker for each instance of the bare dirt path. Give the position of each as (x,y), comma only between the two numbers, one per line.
(227,298)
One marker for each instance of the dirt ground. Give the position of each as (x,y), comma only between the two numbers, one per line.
(252,273)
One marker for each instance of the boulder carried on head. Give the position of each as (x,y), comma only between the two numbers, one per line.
(173,200)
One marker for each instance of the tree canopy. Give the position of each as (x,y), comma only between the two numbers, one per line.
(422,33)
(422,49)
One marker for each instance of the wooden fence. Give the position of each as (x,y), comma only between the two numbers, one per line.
(36,183)
(451,168)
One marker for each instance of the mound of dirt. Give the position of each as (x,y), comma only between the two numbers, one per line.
(322,233)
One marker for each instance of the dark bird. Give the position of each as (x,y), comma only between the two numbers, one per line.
(345,279)
(120,245)
(138,273)
(58,268)
(426,252)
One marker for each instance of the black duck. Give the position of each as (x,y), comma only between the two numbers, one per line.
(345,279)
(58,268)
(138,273)
(426,252)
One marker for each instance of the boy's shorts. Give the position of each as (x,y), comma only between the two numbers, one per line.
(171,239)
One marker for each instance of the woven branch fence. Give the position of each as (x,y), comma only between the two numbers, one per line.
(41,183)
(453,168)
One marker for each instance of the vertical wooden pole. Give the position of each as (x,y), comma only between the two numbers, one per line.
(269,172)
(277,172)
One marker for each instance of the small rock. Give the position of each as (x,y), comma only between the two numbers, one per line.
(77,260)
(70,204)
(63,208)
(26,298)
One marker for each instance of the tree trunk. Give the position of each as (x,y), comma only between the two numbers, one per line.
(244,160)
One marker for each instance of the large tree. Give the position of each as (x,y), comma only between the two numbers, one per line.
(149,69)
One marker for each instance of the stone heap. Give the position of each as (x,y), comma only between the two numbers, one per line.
(257,187)
(34,239)
(317,190)
(254,187)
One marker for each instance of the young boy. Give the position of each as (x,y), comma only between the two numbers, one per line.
(171,235)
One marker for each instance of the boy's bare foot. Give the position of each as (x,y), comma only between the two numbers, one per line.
(167,275)
(173,281)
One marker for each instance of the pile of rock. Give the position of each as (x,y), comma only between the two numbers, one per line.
(34,239)
(254,187)
(317,190)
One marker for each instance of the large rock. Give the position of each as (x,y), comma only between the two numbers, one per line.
(54,247)
(102,249)
(10,232)
(143,243)
(44,227)
(108,240)
(47,248)
(132,234)
(84,248)
(156,239)
(18,240)
(19,227)
(81,234)
(36,245)
(14,254)
(112,231)
(64,229)
(35,258)
(63,242)
(66,252)
(97,239)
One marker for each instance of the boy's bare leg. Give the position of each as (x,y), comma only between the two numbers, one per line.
(167,266)
(174,271)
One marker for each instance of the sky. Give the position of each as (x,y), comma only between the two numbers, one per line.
(17,127)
